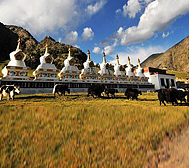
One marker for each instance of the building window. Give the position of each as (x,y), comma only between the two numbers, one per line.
(172,82)
(167,82)
(162,82)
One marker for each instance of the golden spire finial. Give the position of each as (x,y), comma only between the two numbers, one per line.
(138,62)
(88,53)
(69,54)
(129,61)
(19,44)
(47,49)
(104,57)
(117,59)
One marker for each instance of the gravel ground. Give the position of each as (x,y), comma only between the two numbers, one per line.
(179,152)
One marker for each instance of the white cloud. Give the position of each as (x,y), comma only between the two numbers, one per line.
(48,16)
(118,12)
(120,31)
(38,16)
(109,49)
(87,34)
(76,46)
(157,16)
(132,8)
(148,1)
(97,50)
(136,53)
(71,37)
(60,40)
(92,9)
(165,35)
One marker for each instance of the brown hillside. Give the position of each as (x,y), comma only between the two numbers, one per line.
(176,58)
(8,42)
(34,49)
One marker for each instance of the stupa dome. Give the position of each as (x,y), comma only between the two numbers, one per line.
(103,66)
(139,70)
(129,71)
(117,66)
(17,57)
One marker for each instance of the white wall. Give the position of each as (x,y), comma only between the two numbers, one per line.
(156,80)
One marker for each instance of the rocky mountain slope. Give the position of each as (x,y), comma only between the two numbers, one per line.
(8,42)
(176,58)
(34,49)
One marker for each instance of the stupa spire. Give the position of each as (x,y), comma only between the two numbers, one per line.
(69,54)
(129,61)
(117,59)
(47,49)
(19,45)
(138,62)
(104,57)
(88,53)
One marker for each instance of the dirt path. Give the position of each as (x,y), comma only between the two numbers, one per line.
(179,152)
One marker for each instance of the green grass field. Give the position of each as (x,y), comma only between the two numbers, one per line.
(79,131)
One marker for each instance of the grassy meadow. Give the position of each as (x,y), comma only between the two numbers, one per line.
(79,131)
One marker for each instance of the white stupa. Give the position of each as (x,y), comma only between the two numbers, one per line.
(139,70)
(46,71)
(105,74)
(140,74)
(16,68)
(69,72)
(129,71)
(88,73)
(119,75)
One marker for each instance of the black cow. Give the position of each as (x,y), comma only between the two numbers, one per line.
(187,92)
(110,91)
(168,95)
(180,95)
(132,93)
(60,89)
(9,91)
(95,90)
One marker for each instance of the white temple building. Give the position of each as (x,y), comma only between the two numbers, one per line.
(129,71)
(69,72)
(119,75)
(46,71)
(16,68)
(89,74)
(106,75)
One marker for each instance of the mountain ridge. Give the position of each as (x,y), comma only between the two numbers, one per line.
(175,58)
(9,35)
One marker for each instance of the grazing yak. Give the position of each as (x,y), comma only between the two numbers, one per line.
(9,91)
(110,91)
(60,89)
(95,90)
(180,95)
(171,95)
(132,93)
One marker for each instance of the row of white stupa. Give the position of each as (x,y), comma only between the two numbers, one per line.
(46,71)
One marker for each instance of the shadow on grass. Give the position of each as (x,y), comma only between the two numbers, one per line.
(35,97)
(147,99)
(122,97)
(183,104)
(179,104)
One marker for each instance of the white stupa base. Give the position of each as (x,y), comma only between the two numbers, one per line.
(46,79)
(70,79)
(15,73)
(16,78)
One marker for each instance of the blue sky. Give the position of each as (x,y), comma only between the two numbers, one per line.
(135,28)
